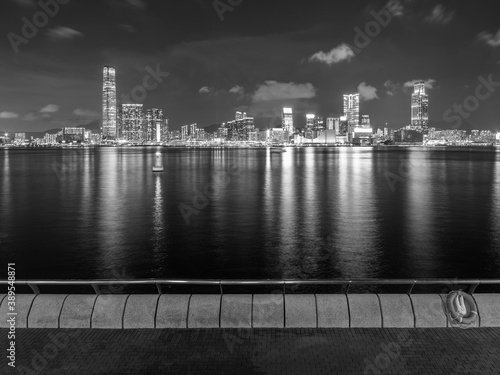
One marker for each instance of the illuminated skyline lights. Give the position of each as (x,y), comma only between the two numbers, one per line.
(420,107)
(287,121)
(351,109)
(156,125)
(109,123)
(132,123)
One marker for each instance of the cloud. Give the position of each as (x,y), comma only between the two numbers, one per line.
(340,53)
(367,92)
(30,116)
(392,88)
(128,28)
(9,115)
(51,108)
(86,113)
(206,90)
(237,90)
(429,83)
(139,4)
(62,32)
(440,15)
(490,39)
(272,90)
(396,8)
(26,3)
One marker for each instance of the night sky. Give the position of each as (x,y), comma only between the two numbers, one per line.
(261,56)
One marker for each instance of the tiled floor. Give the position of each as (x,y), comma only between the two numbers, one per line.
(257,351)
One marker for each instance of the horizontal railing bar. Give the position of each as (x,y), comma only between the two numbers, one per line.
(254,282)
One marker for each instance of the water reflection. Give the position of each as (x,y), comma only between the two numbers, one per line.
(308,213)
(356,237)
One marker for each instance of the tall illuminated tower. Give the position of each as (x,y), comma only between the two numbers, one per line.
(351,109)
(420,107)
(108,127)
(287,121)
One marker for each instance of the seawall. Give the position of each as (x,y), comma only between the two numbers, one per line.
(133,311)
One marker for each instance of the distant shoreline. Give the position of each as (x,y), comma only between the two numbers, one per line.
(483,148)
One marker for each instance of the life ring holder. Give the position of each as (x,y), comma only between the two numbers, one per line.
(461,308)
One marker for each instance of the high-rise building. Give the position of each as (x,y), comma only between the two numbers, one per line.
(365,121)
(420,107)
(73,135)
(132,124)
(109,124)
(287,121)
(351,109)
(310,121)
(333,123)
(156,125)
(240,115)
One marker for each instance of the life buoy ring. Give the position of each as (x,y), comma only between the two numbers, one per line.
(461,308)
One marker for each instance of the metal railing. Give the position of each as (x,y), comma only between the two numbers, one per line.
(97,284)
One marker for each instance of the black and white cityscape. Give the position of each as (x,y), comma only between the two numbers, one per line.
(221,144)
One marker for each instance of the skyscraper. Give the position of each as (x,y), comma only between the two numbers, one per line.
(287,121)
(351,109)
(420,107)
(132,123)
(108,127)
(155,125)
(240,115)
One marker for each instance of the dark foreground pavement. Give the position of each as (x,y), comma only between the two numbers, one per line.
(257,351)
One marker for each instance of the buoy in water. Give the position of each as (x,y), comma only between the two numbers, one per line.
(158,167)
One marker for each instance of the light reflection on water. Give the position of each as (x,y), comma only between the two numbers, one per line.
(307,213)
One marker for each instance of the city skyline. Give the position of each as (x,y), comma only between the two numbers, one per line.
(318,61)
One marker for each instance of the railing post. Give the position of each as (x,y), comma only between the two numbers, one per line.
(158,287)
(35,288)
(220,287)
(473,288)
(97,290)
(410,288)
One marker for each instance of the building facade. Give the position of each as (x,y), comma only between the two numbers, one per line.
(351,109)
(132,123)
(109,112)
(420,107)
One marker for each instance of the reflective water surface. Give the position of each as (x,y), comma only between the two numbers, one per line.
(246,213)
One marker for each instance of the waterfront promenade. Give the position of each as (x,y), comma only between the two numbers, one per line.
(257,351)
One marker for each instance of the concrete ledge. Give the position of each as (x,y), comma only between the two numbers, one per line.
(140,311)
(23,305)
(45,311)
(365,311)
(333,311)
(172,311)
(488,306)
(108,311)
(236,311)
(268,311)
(300,311)
(77,311)
(397,311)
(204,310)
(429,312)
